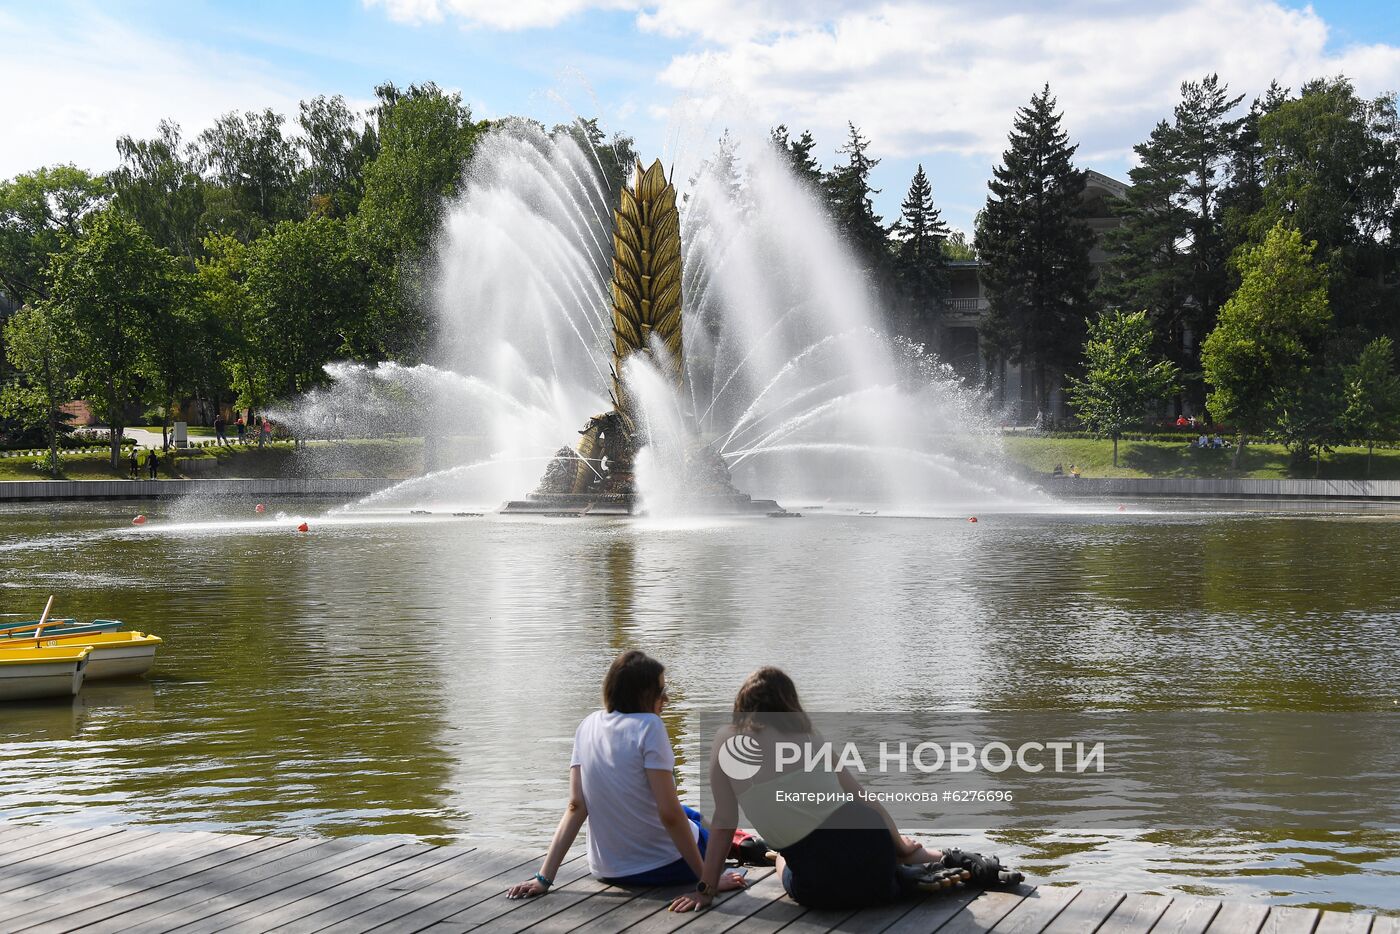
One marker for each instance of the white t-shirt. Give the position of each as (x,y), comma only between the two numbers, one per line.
(613,752)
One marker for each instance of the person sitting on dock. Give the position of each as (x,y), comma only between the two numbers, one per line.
(844,852)
(622,782)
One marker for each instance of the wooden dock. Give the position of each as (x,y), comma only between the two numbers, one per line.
(57,879)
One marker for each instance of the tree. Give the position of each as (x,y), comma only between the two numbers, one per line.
(798,154)
(337,144)
(1035,244)
(257,169)
(1122,376)
(614,158)
(221,288)
(426,136)
(113,288)
(920,266)
(158,185)
(1371,396)
(37,210)
(1268,335)
(35,351)
(306,291)
(848,195)
(1330,166)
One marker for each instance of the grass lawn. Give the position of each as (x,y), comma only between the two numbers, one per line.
(1094,457)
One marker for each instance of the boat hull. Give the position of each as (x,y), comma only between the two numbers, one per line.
(114,654)
(49,674)
(60,628)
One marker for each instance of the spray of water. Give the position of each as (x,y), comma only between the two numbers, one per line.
(789,377)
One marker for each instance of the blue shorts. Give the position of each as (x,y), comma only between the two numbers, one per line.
(677,873)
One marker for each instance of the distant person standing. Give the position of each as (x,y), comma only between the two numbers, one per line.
(239,427)
(133,467)
(152,463)
(220,424)
(266,434)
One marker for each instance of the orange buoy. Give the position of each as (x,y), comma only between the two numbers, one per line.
(303,528)
(971,518)
(139,520)
(259,508)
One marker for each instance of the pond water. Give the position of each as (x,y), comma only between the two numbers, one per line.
(423,675)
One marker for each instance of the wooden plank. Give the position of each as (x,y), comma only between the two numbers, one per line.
(206,913)
(1385,924)
(638,906)
(1343,922)
(129,853)
(1135,914)
(1285,919)
(47,869)
(142,867)
(774,916)
(39,846)
(926,915)
(163,884)
(983,913)
(665,921)
(479,875)
(1086,912)
(513,914)
(598,899)
(275,909)
(141,908)
(1187,915)
(1041,907)
(1238,918)
(352,906)
(13,833)
(736,912)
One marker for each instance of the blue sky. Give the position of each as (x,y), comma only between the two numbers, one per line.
(929,82)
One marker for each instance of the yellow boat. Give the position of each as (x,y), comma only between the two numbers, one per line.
(42,671)
(114,654)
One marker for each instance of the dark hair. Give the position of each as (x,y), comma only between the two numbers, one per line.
(770,692)
(633,683)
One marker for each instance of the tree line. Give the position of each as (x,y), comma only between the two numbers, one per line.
(1258,245)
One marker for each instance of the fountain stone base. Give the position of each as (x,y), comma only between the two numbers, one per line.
(629,504)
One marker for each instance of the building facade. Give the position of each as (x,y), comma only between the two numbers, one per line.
(960,331)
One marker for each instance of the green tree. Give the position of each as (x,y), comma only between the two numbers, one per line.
(257,170)
(1371,396)
(426,136)
(798,153)
(1035,244)
(158,185)
(1122,375)
(37,210)
(848,196)
(1331,168)
(1268,336)
(337,144)
(113,288)
(221,284)
(920,265)
(306,291)
(36,352)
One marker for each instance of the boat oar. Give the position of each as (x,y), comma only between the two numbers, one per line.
(43,620)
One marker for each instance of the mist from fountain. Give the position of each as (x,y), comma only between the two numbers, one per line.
(788,376)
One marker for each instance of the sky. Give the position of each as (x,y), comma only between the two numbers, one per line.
(933,83)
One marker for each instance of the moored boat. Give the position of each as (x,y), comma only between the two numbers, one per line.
(56,627)
(114,654)
(29,672)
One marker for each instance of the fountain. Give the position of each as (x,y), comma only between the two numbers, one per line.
(698,347)
(646,315)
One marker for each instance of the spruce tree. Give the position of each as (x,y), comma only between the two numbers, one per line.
(1035,244)
(798,153)
(920,266)
(848,194)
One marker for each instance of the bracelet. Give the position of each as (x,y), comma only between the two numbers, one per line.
(539,877)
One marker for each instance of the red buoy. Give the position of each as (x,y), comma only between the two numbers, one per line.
(971,518)
(259,508)
(139,520)
(303,528)
(1122,508)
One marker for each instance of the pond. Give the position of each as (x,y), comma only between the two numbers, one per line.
(391,673)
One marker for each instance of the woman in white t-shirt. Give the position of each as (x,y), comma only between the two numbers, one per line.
(622,782)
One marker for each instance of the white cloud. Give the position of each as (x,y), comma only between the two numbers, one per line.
(72,91)
(924,77)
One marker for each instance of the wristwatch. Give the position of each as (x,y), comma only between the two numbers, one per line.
(703,888)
